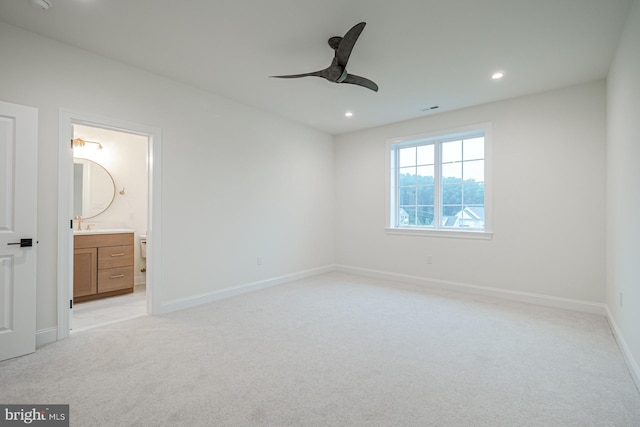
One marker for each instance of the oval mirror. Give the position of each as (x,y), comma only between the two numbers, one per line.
(93,188)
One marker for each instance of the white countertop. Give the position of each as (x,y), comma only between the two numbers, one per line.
(105,231)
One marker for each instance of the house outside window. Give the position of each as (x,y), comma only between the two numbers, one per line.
(439,183)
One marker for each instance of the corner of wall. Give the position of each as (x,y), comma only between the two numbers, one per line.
(46,336)
(634,369)
(622,178)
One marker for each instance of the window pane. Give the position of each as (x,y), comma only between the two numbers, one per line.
(472,216)
(452,170)
(451,210)
(473,193)
(449,216)
(452,151)
(407,156)
(426,154)
(403,217)
(425,195)
(425,174)
(473,170)
(473,148)
(407,196)
(425,215)
(451,194)
(407,176)
(407,215)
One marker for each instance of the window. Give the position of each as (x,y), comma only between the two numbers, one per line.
(438,182)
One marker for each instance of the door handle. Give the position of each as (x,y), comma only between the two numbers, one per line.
(24,243)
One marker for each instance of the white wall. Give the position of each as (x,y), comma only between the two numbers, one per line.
(124,156)
(239,183)
(236,182)
(623,188)
(548,211)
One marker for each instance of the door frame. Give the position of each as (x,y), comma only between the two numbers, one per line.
(68,118)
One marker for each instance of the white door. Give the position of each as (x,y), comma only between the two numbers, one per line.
(18,196)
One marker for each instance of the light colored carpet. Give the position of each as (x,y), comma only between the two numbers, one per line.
(337,350)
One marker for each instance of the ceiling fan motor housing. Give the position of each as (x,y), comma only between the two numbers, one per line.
(41,4)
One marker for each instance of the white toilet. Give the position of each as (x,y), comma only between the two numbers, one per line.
(143,250)
(143,246)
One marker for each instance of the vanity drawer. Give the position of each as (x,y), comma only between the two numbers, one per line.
(98,240)
(115,256)
(114,279)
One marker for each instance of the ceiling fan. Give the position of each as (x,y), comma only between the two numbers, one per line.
(337,71)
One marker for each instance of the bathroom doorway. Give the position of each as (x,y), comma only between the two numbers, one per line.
(110,203)
(128,155)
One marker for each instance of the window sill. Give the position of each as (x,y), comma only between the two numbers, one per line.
(451,234)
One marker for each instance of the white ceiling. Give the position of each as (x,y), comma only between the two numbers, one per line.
(420,52)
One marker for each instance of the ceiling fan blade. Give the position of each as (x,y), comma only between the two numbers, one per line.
(360,81)
(295,76)
(337,72)
(346,44)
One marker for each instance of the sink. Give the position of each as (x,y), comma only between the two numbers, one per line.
(104,231)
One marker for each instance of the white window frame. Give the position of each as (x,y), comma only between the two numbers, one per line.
(392,223)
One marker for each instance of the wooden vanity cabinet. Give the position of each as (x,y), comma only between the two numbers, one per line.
(102,265)
(85,275)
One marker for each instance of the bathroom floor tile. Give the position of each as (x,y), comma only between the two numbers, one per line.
(90,314)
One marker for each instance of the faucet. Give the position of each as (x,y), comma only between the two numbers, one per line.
(89,226)
(79,220)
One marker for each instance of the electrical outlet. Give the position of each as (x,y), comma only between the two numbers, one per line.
(259,260)
(429,260)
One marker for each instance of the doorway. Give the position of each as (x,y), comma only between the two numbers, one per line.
(134,208)
(109,202)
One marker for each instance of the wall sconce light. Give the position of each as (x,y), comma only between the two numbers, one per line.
(79,142)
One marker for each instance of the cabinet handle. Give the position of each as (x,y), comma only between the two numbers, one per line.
(117,276)
(120,254)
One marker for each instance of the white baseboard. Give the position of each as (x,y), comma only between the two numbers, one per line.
(181,303)
(46,336)
(634,369)
(528,297)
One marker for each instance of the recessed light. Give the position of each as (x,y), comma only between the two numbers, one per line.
(497,75)
(348,114)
